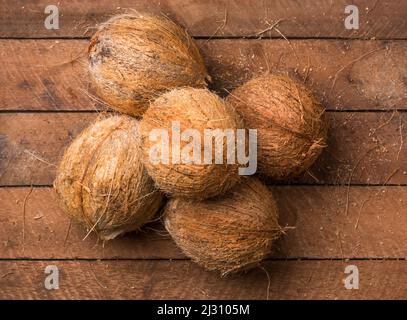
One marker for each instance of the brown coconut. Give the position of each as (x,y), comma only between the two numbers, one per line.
(230,233)
(290,123)
(101,180)
(197,109)
(135,57)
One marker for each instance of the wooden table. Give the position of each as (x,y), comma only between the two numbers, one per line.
(349,209)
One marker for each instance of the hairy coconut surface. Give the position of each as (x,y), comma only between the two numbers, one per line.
(230,233)
(196,109)
(102,182)
(135,57)
(290,123)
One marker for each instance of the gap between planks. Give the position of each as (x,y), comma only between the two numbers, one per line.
(187,259)
(214,38)
(14,111)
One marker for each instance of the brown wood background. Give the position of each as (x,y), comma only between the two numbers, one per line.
(351,208)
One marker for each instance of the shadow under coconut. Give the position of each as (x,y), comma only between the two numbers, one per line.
(228,74)
(225,74)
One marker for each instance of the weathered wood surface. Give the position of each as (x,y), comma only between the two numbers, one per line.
(363,148)
(309,18)
(345,75)
(185,280)
(374,226)
(361,215)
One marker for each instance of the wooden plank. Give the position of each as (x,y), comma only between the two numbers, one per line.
(363,148)
(373,227)
(48,233)
(358,75)
(309,18)
(185,280)
(34,143)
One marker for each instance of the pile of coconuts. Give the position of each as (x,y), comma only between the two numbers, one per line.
(150,72)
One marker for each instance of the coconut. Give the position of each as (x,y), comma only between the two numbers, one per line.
(290,123)
(188,173)
(230,233)
(101,181)
(134,57)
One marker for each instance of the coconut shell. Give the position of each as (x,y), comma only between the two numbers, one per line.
(230,233)
(290,123)
(134,57)
(197,109)
(101,181)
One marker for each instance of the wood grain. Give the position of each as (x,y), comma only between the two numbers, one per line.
(185,280)
(345,75)
(363,148)
(373,227)
(360,216)
(309,18)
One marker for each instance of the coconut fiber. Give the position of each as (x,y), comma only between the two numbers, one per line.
(102,182)
(134,57)
(230,233)
(196,109)
(290,123)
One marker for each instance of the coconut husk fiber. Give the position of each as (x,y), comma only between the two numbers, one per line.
(230,233)
(196,109)
(101,181)
(290,123)
(135,57)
